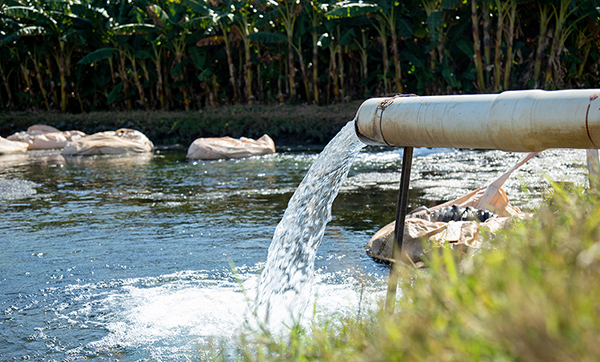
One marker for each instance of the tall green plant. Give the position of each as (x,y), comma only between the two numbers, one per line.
(55,22)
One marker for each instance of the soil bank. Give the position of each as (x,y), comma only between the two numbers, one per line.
(290,125)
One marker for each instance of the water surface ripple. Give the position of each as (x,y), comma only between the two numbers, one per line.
(128,258)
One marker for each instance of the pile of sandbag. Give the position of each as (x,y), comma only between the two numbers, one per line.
(457,224)
(77,143)
(123,140)
(227,147)
(43,137)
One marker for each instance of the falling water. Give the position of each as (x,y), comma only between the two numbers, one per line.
(286,281)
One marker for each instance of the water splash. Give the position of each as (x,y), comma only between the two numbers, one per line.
(286,282)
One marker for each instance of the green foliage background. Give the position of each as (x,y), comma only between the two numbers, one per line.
(97,55)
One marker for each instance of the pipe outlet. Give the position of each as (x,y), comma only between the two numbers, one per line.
(518,121)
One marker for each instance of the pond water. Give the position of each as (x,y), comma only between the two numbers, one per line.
(130,258)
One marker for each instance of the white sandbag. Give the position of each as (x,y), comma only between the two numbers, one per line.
(43,137)
(8,146)
(227,147)
(54,140)
(41,129)
(110,142)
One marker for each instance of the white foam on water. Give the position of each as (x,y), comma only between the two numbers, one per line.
(176,315)
(180,319)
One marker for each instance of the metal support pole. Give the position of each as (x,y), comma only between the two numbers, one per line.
(401,207)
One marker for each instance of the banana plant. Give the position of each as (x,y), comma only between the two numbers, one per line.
(328,41)
(281,17)
(222,14)
(174,25)
(229,22)
(501,7)
(12,52)
(387,19)
(562,31)
(244,23)
(316,14)
(510,35)
(116,38)
(56,23)
(477,46)
(543,38)
(438,27)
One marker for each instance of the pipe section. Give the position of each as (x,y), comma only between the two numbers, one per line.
(519,121)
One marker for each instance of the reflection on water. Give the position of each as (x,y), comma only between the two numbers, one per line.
(41,157)
(118,258)
(128,160)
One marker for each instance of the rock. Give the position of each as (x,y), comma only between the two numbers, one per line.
(227,147)
(110,142)
(43,137)
(8,146)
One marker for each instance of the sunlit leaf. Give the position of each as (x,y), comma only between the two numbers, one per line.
(324,40)
(129,29)
(25,31)
(28,13)
(160,14)
(347,9)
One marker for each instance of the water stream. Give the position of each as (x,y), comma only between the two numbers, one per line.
(286,282)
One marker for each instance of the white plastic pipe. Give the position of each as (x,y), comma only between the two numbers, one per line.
(520,121)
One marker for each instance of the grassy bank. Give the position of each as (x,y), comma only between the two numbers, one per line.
(284,123)
(532,294)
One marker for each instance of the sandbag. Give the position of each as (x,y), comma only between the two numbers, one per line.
(227,147)
(8,146)
(43,137)
(120,141)
(423,233)
(422,236)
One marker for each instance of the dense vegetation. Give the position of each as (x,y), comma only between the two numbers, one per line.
(95,55)
(529,295)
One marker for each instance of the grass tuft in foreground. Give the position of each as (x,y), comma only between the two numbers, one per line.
(532,294)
